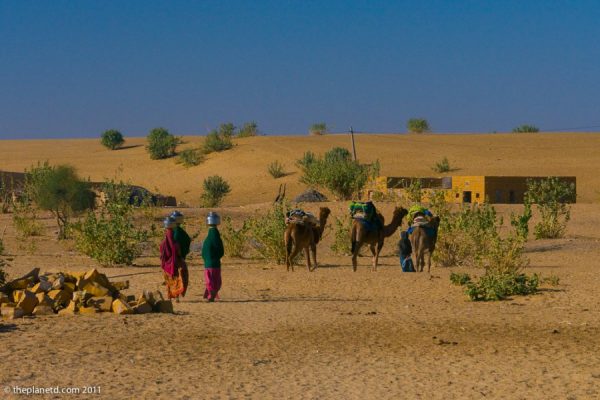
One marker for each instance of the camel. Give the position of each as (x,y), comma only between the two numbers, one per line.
(422,243)
(373,237)
(298,237)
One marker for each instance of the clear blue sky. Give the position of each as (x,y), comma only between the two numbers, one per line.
(77,68)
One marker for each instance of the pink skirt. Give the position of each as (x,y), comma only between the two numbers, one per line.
(212,279)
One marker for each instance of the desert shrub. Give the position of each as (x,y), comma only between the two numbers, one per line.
(111,236)
(276,169)
(190,157)
(503,263)
(233,239)
(3,275)
(521,221)
(265,233)
(413,191)
(6,191)
(491,287)
(216,142)
(442,166)
(25,219)
(337,172)
(460,279)
(417,125)
(161,144)
(342,227)
(551,197)
(215,189)
(552,280)
(464,235)
(248,129)
(526,129)
(59,190)
(319,128)
(112,139)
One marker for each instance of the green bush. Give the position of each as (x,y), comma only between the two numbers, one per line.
(319,128)
(112,139)
(215,189)
(265,233)
(459,279)
(521,221)
(276,169)
(417,125)
(6,191)
(216,142)
(442,166)
(227,130)
(526,129)
(59,190)
(233,239)
(413,191)
(342,227)
(344,177)
(492,287)
(25,219)
(190,157)
(249,129)
(551,197)
(161,144)
(110,236)
(465,235)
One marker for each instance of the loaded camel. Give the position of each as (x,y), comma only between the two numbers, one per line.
(304,236)
(374,237)
(422,240)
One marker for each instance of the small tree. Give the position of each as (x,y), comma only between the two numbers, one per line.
(216,142)
(227,130)
(58,190)
(112,139)
(417,125)
(551,196)
(161,144)
(265,233)
(111,237)
(319,128)
(234,239)
(337,172)
(190,157)
(215,189)
(249,129)
(526,129)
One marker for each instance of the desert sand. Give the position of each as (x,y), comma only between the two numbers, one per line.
(332,333)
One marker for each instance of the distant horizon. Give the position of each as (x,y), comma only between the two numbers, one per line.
(308,135)
(76,69)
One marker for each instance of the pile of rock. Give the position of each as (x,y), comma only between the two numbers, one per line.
(70,293)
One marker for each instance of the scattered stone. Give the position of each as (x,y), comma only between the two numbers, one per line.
(142,308)
(11,311)
(60,298)
(123,285)
(95,289)
(70,309)
(69,286)
(4,298)
(41,287)
(58,282)
(43,309)
(17,295)
(120,307)
(101,303)
(88,310)
(163,306)
(28,302)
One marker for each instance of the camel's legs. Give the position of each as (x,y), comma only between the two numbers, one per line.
(377,251)
(373,257)
(295,252)
(307,254)
(429,262)
(355,255)
(313,250)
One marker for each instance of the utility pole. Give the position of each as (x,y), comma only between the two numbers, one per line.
(353,147)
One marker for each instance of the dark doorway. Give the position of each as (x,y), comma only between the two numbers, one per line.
(467,196)
(511,197)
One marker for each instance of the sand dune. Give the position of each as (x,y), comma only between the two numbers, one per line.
(245,166)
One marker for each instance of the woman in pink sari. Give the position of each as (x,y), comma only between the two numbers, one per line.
(174,268)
